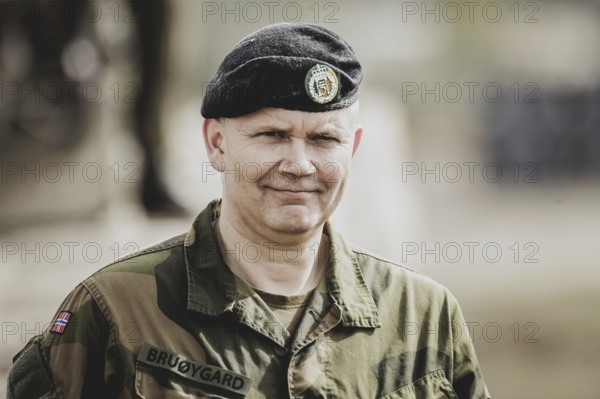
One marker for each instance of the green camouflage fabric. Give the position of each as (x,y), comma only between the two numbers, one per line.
(173,322)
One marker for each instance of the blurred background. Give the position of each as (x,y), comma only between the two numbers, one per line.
(479,164)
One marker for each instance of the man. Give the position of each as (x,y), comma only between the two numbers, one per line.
(262,298)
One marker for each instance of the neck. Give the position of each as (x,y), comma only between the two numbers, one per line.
(277,268)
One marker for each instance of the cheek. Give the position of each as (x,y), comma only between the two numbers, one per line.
(248,166)
(252,171)
(331,172)
(334,169)
(253,154)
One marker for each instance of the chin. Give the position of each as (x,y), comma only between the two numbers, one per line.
(292,222)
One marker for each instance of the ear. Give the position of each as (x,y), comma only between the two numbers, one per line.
(357,137)
(212,131)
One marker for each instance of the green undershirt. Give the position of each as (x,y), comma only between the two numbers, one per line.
(288,309)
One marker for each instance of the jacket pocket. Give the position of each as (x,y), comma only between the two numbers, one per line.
(431,386)
(29,377)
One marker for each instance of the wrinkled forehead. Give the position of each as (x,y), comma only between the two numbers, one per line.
(343,120)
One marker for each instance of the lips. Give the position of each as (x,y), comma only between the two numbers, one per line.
(293,190)
(293,194)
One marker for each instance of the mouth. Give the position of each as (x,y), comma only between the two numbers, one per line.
(293,192)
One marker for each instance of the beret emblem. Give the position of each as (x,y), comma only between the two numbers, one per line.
(321,84)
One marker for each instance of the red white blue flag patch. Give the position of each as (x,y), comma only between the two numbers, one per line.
(61,322)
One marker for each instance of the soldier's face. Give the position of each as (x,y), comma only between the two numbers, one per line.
(284,171)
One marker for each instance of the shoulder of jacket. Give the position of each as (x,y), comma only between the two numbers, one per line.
(375,267)
(362,254)
(143,260)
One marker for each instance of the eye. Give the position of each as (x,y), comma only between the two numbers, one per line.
(324,138)
(274,134)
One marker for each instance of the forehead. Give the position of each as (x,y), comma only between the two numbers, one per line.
(283,119)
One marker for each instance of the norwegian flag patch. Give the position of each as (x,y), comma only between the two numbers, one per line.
(61,322)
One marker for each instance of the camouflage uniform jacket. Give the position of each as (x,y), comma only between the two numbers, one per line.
(172,321)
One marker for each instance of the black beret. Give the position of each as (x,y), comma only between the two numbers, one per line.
(294,66)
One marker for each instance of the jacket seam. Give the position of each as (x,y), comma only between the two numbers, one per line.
(152,249)
(97,296)
(387,261)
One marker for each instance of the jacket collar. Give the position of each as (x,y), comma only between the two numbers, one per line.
(347,285)
(212,286)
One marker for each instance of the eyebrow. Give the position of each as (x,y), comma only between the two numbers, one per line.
(253,129)
(327,129)
(330,130)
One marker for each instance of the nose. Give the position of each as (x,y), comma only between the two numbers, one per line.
(296,162)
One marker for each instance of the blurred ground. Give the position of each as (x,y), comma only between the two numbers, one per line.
(521,255)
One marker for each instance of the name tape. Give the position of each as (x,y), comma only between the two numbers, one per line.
(202,373)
